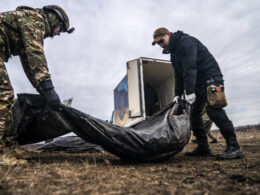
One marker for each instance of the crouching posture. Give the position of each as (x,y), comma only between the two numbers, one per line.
(22,33)
(197,73)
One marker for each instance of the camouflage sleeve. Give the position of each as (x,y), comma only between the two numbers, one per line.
(32,57)
(28,71)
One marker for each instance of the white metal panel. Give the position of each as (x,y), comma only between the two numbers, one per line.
(160,75)
(141,70)
(165,91)
(134,89)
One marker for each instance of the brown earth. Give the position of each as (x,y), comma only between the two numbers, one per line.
(103,173)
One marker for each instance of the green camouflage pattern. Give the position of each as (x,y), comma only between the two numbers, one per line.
(207,123)
(62,15)
(6,104)
(53,20)
(21,33)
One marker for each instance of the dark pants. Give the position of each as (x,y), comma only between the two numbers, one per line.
(217,115)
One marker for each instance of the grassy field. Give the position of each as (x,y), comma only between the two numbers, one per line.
(103,173)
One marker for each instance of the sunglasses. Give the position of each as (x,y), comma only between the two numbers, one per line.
(160,42)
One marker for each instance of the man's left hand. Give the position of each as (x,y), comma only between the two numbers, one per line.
(46,89)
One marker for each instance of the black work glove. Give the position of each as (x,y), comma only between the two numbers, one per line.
(46,89)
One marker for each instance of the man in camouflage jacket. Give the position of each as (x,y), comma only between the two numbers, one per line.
(22,33)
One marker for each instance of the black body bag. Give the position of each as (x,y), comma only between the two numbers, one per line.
(159,137)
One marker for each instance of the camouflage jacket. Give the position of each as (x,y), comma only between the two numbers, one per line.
(22,33)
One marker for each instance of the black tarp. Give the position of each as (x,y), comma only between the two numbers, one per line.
(159,137)
(69,144)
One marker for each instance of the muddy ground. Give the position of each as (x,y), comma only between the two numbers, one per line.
(103,173)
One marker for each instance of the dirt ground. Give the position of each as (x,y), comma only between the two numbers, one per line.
(103,173)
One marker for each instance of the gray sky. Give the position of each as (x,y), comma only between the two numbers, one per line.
(88,64)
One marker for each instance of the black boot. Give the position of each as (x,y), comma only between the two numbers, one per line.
(232,150)
(202,148)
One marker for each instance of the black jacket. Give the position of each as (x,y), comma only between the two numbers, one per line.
(192,62)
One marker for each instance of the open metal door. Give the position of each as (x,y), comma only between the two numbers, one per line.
(134,88)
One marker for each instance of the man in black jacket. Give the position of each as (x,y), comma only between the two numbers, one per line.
(195,70)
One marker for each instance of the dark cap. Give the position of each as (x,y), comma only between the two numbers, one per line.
(158,34)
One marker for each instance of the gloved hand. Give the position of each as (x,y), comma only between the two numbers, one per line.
(176,99)
(46,89)
(191,98)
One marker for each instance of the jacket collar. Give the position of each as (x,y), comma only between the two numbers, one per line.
(47,30)
(174,38)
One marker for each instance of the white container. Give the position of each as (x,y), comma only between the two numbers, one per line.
(147,87)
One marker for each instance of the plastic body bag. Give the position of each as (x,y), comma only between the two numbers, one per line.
(159,137)
(69,144)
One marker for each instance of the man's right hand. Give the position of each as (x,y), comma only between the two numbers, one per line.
(191,98)
(46,89)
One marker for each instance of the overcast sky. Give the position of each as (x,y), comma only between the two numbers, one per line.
(88,64)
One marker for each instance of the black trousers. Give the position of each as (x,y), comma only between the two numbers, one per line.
(217,115)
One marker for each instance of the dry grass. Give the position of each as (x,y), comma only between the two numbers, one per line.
(103,173)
